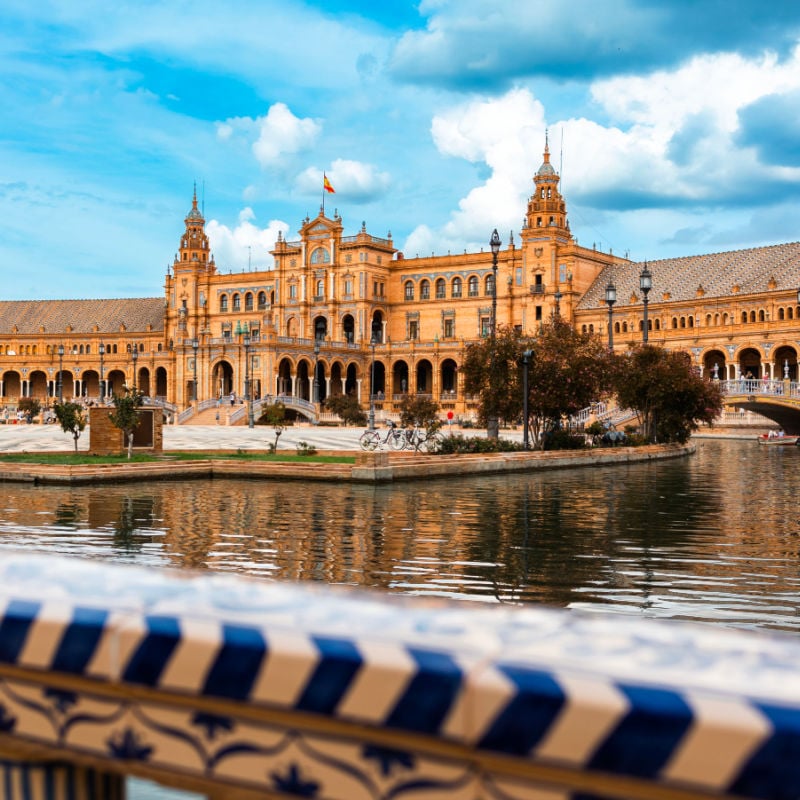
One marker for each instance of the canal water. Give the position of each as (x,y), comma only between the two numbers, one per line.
(713,537)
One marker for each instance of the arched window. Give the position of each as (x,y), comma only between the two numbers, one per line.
(752,316)
(658,324)
(708,320)
(321,256)
(248,301)
(691,322)
(744,316)
(472,286)
(780,313)
(409,290)
(237,302)
(262,300)
(674,323)
(223,302)
(440,289)
(455,288)
(583,328)
(683,322)
(424,290)
(319,290)
(616,327)
(488,285)
(762,316)
(624,327)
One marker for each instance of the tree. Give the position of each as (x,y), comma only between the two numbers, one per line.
(569,371)
(347,407)
(669,396)
(274,414)
(126,414)
(491,371)
(30,406)
(72,418)
(420,412)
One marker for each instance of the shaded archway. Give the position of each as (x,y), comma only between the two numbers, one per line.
(320,389)
(161,382)
(37,385)
(320,327)
(303,380)
(115,379)
(284,380)
(448,378)
(90,383)
(785,363)
(349,328)
(424,377)
(714,365)
(143,381)
(336,379)
(378,370)
(222,379)
(376,328)
(400,378)
(351,379)
(750,363)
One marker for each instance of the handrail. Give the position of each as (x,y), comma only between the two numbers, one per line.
(231,685)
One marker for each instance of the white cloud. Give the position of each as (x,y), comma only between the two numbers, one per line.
(354,180)
(281,132)
(246,245)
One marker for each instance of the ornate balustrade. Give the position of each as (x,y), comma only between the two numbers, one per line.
(234,687)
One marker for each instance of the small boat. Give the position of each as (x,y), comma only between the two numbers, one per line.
(777,440)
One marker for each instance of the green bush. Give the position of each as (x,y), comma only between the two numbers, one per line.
(457,443)
(564,440)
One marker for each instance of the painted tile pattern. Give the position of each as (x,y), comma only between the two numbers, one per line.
(679,705)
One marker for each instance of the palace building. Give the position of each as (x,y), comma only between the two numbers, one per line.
(337,311)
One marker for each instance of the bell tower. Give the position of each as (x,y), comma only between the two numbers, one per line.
(193,254)
(547,211)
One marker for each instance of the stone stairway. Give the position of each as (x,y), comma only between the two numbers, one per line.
(209,416)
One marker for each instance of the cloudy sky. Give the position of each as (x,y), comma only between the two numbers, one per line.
(675,126)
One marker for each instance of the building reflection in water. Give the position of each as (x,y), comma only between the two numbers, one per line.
(668,539)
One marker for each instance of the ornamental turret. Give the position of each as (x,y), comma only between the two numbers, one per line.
(546,207)
(194,253)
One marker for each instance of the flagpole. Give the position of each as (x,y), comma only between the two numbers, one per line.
(323,194)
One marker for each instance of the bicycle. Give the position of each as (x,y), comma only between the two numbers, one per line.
(371,440)
(421,440)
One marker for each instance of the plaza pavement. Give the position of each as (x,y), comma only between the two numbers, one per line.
(42,438)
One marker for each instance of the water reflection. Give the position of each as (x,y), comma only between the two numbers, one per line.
(701,538)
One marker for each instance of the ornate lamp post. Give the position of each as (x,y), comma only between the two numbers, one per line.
(195,346)
(611,298)
(246,343)
(373,341)
(315,396)
(492,423)
(102,350)
(60,381)
(527,355)
(557,297)
(645,284)
(134,358)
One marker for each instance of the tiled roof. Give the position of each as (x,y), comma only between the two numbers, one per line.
(717,273)
(55,316)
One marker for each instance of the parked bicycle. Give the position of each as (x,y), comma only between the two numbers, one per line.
(395,439)
(422,440)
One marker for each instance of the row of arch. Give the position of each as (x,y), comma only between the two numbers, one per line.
(750,362)
(440,288)
(81,384)
(251,300)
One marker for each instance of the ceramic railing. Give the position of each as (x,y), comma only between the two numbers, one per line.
(238,688)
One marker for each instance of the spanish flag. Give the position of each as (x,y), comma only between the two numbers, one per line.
(327,184)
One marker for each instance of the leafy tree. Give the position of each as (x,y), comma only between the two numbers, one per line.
(274,414)
(569,371)
(72,418)
(669,396)
(30,406)
(420,412)
(347,407)
(491,371)
(125,415)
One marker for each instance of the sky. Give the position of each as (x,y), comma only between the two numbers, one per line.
(675,127)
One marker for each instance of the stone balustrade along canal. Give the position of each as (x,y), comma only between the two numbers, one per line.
(239,688)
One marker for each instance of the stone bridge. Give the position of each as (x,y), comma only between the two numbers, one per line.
(776,400)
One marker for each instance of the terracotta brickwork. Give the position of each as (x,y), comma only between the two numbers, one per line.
(105,439)
(333,311)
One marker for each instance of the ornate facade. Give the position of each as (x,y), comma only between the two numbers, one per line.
(336,311)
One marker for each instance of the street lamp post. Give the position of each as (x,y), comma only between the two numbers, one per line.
(195,347)
(373,342)
(246,343)
(557,297)
(102,351)
(611,298)
(492,423)
(315,391)
(645,284)
(527,355)
(60,382)
(134,358)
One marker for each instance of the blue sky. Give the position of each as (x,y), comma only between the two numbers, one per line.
(675,127)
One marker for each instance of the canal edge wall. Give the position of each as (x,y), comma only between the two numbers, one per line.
(380,467)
